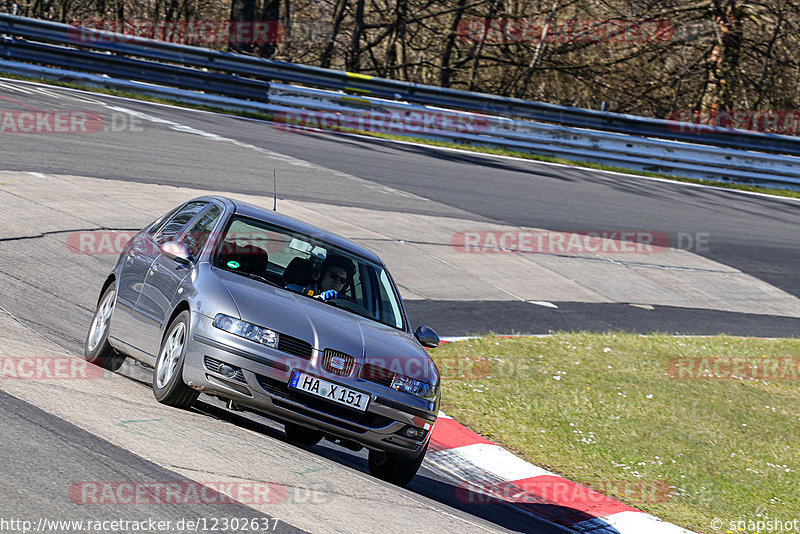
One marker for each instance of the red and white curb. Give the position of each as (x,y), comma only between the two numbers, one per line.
(486,473)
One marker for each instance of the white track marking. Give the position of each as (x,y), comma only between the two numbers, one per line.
(432,147)
(48,92)
(17,89)
(543,303)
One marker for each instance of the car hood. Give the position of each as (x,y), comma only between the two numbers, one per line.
(325,326)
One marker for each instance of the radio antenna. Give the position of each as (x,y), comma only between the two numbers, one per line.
(274,191)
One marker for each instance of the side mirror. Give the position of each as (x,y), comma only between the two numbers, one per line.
(177,251)
(427,337)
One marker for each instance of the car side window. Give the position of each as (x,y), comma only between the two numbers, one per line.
(389,308)
(198,234)
(155,226)
(178,221)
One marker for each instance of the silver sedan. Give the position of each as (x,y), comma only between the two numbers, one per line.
(274,316)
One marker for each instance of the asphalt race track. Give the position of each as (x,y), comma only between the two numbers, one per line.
(754,235)
(728,266)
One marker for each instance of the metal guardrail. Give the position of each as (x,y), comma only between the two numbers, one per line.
(242,65)
(250,81)
(654,155)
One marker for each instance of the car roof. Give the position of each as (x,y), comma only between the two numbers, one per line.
(273,217)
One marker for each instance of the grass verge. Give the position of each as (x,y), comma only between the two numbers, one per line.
(410,139)
(607,410)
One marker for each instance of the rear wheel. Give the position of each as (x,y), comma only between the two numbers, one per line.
(97,350)
(395,469)
(168,385)
(302,435)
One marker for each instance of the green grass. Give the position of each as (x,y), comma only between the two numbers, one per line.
(727,448)
(411,139)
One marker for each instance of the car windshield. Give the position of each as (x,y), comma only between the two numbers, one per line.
(301,263)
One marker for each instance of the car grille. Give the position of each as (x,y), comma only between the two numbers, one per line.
(214,365)
(282,390)
(377,374)
(294,346)
(337,362)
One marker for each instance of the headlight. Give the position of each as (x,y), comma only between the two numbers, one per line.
(417,388)
(247,330)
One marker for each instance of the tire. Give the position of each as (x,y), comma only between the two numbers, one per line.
(96,349)
(302,435)
(394,469)
(168,385)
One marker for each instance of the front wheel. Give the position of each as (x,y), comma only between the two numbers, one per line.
(395,469)
(168,385)
(97,350)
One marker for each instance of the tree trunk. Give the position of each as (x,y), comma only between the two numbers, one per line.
(446,72)
(338,16)
(473,76)
(353,63)
(241,11)
(271,15)
(723,79)
(538,51)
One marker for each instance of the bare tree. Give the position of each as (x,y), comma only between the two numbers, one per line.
(338,16)
(449,43)
(647,57)
(353,58)
(242,11)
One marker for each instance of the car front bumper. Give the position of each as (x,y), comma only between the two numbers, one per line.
(260,383)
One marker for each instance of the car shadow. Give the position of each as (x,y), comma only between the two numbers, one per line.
(541,517)
(532,515)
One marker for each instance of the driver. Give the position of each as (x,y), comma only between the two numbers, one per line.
(335,274)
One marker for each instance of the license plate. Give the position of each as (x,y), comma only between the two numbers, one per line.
(329,391)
